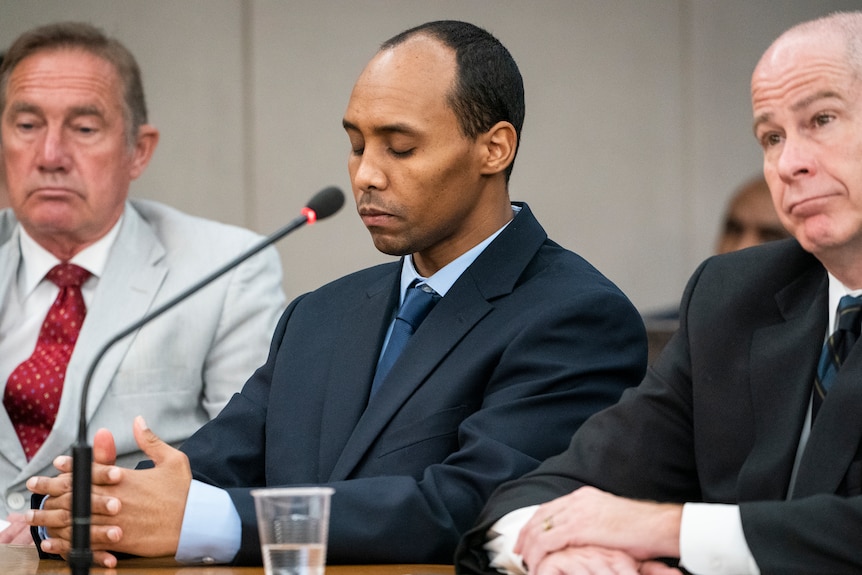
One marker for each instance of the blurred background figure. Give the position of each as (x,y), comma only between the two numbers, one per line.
(750,218)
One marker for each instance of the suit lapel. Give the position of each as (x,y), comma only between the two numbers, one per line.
(447,324)
(836,433)
(783,361)
(494,274)
(10,257)
(355,362)
(125,293)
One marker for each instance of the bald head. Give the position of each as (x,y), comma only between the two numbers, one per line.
(840,28)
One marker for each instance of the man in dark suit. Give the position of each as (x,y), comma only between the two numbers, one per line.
(526,342)
(734,455)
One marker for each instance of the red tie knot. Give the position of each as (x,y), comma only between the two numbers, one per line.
(68,275)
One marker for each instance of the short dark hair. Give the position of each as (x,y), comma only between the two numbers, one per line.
(64,35)
(488,85)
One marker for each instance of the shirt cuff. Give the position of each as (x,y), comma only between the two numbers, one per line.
(712,542)
(41,530)
(211,530)
(502,537)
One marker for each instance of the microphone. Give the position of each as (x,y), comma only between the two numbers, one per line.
(325,203)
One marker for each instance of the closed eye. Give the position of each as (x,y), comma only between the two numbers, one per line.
(402,153)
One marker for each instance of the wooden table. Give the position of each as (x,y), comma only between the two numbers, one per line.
(23,560)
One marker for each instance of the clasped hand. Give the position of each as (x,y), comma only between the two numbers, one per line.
(591,531)
(133,511)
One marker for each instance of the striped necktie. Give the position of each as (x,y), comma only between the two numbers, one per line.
(837,347)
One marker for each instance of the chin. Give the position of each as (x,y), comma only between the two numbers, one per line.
(821,244)
(390,247)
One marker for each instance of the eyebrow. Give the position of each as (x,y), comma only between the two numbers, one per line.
(800,105)
(77,111)
(396,128)
(23,108)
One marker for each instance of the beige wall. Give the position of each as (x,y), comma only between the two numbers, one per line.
(637,129)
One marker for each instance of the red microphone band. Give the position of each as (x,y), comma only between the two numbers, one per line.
(310,214)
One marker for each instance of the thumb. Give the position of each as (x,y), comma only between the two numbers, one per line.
(104,448)
(149,442)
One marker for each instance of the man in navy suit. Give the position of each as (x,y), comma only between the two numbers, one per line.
(721,458)
(526,342)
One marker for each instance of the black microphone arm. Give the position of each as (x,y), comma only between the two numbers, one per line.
(325,203)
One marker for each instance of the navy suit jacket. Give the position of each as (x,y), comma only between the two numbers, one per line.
(528,343)
(719,416)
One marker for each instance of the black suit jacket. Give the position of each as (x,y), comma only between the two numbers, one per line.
(719,416)
(528,343)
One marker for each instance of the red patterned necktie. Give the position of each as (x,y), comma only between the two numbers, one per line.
(33,391)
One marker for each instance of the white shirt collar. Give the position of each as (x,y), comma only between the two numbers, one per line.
(36,261)
(837,290)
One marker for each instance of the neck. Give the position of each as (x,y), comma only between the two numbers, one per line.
(63,251)
(430,261)
(846,267)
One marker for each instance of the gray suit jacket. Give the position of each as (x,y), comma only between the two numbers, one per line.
(178,371)
(718,419)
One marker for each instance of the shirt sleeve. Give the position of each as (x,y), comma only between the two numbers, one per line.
(712,542)
(211,530)
(502,537)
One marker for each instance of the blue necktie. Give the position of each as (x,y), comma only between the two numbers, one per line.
(837,347)
(418,302)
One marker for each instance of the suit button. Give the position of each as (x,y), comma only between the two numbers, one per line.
(16,501)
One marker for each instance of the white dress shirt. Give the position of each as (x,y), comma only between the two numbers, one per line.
(27,304)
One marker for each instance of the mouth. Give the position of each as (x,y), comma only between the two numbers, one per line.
(810,205)
(53,191)
(374,217)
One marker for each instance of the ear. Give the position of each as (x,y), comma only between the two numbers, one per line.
(145,145)
(499,146)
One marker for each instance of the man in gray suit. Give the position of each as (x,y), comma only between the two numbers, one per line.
(734,455)
(74,136)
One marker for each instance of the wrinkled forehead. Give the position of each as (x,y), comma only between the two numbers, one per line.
(798,71)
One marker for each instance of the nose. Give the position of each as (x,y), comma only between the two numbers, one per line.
(54,152)
(368,173)
(796,159)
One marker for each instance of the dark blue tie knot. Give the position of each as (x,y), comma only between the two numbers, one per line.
(837,347)
(849,315)
(418,302)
